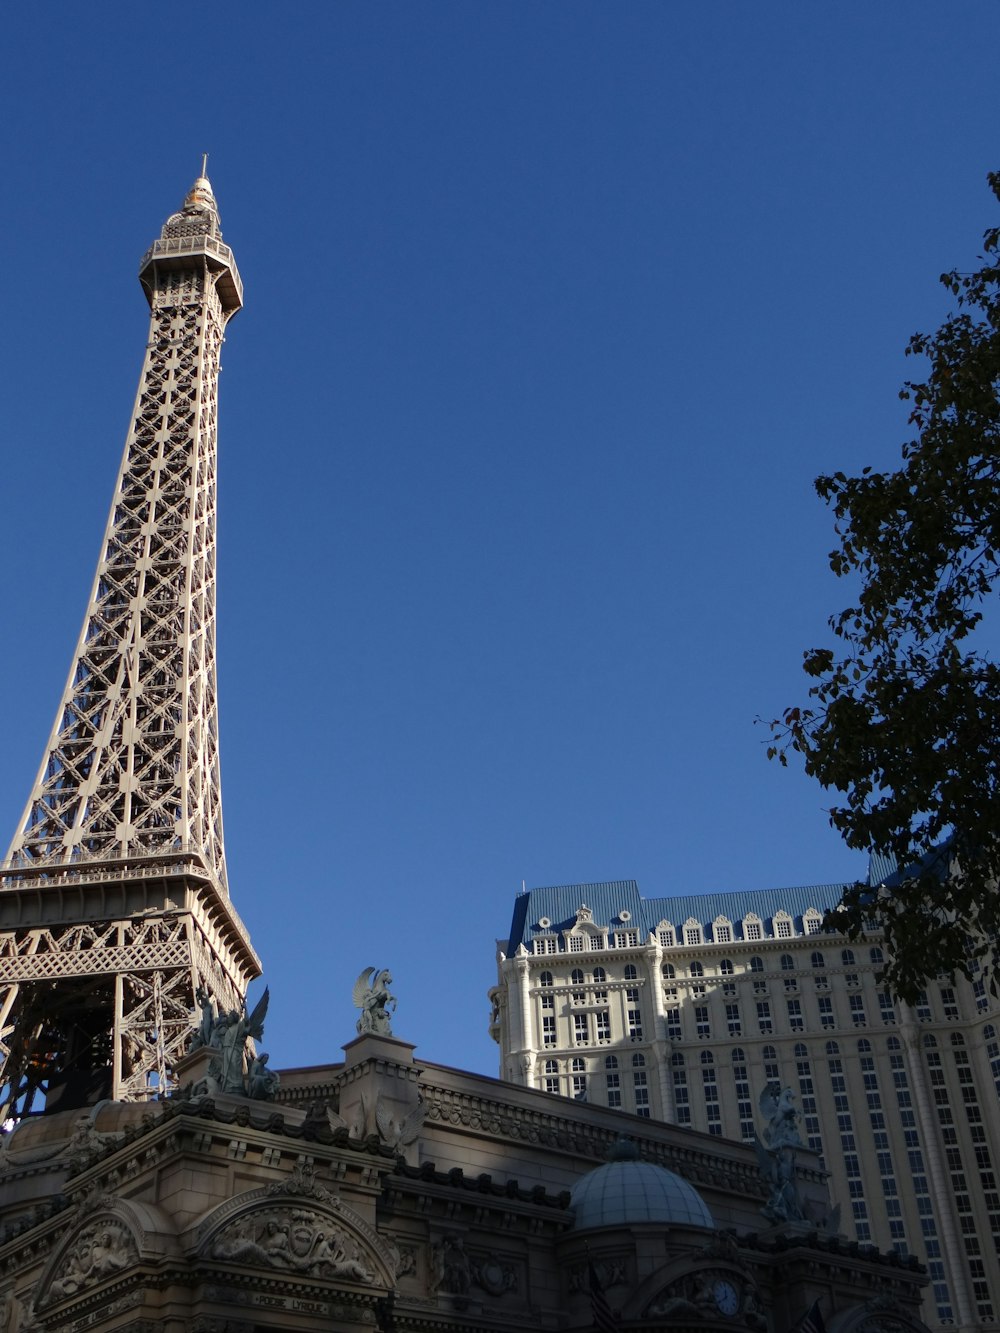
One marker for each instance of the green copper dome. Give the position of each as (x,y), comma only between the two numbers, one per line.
(626,1191)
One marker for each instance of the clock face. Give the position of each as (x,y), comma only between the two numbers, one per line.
(726,1297)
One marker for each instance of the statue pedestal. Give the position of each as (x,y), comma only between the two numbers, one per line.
(371,1046)
(380,1080)
(193,1067)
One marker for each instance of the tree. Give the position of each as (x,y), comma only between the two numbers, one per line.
(903,719)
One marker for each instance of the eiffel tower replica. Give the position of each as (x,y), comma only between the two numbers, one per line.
(114,902)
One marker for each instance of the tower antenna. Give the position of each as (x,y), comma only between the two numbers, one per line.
(204,164)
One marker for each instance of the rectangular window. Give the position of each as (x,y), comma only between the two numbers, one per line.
(603,1022)
(614,1083)
(752,930)
(887,1010)
(576,944)
(552,1085)
(826,1011)
(641,1092)
(674,1024)
(546,944)
(635,1024)
(581,1034)
(795,1020)
(548,1031)
(764,1015)
(723,934)
(733,1020)
(701,1021)
(625,939)
(666,938)
(783,929)
(858,1010)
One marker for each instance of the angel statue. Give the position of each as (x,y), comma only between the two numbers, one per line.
(777,1105)
(227,1034)
(372,997)
(776,1154)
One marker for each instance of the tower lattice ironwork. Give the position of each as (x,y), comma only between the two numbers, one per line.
(114,902)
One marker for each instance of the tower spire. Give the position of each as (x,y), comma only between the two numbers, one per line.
(128,793)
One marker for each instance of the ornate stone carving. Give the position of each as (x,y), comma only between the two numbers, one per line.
(776,1154)
(494,1275)
(301,1180)
(102,1248)
(707,1295)
(399,1133)
(451,1270)
(371,995)
(294,1240)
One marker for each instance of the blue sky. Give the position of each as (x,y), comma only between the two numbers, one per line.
(553,312)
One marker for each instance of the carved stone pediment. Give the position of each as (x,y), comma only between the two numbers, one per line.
(711,1294)
(100,1249)
(293,1238)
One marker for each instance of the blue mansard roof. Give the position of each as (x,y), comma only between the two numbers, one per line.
(557,906)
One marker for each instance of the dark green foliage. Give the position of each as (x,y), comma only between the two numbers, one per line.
(904,712)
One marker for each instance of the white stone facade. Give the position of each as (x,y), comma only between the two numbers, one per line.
(687,1022)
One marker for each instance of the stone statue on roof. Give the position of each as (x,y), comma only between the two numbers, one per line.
(776,1153)
(373,997)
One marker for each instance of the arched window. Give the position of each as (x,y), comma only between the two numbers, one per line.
(630,973)
(832,1048)
(930,1041)
(893,1044)
(801,1051)
(739,1055)
(769,1053)
(677,1060)
(579,1065)
(638,1061)
(877,957)
(576,976)
(600,975)
(989,1031)
(552,1066)
(864,1046)
(817,959)
(545,979)
(697,970)
(756,964)
(611,1062)
(957,1039)
(726,967)
(787,963)
(668,972)
(847,957)
(707,1058)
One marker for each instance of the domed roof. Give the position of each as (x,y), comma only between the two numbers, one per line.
(626,1191)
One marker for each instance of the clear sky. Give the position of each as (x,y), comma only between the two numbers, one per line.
(553,312)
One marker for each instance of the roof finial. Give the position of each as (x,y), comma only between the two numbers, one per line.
(204,164)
